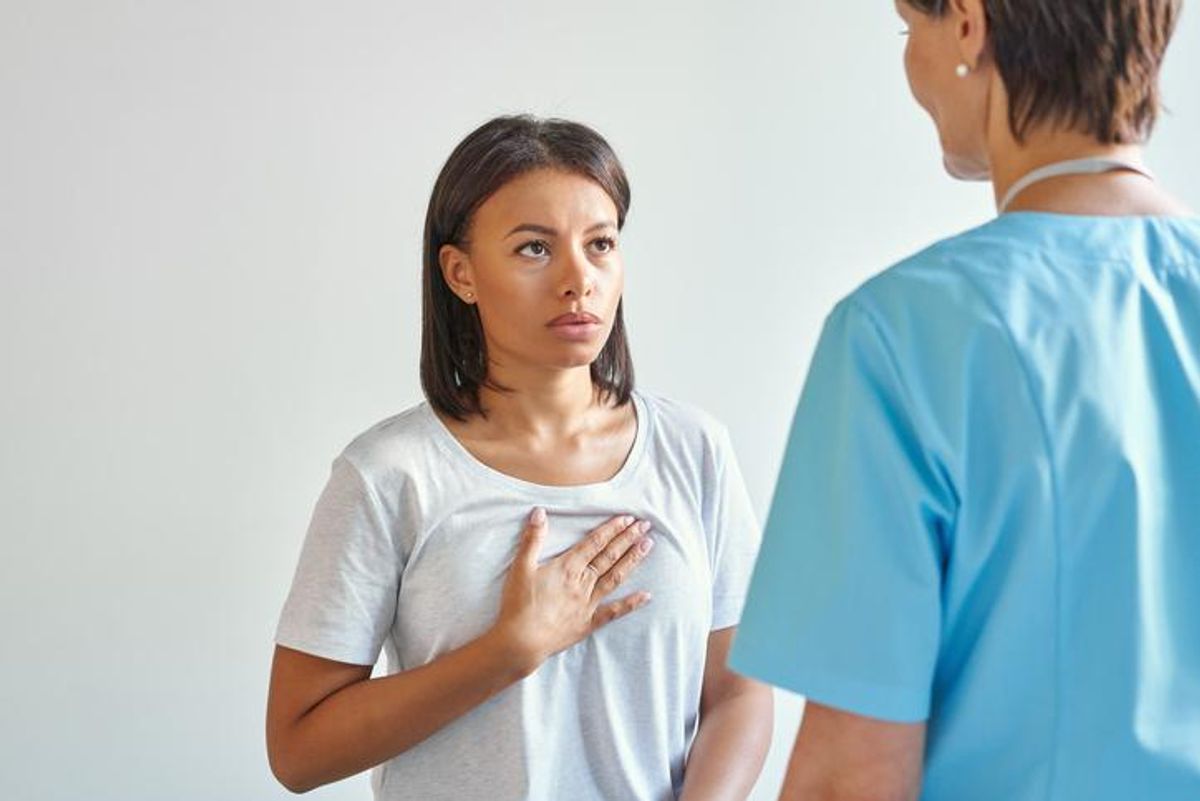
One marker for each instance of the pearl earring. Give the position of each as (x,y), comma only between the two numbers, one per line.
(470,296)
(962,70)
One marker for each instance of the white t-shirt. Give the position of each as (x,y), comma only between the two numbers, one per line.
(409,547)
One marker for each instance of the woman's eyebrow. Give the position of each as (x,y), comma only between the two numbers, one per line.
(533,228)
(545,230)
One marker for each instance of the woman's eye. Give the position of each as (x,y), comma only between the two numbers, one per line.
(605,244)
(535,249)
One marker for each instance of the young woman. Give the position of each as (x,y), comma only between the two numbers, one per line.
(550,654)
(981,564)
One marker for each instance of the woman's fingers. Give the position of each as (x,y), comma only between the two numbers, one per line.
(547,607)
(612,578)
(609,612)
(532,537)
(618,547)
(583,552)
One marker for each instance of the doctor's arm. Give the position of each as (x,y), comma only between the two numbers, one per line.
(840,756)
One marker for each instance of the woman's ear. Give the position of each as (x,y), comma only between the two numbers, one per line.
(458,272)
(969,18)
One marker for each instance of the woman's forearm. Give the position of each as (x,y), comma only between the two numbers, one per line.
(730,748)
(371,721)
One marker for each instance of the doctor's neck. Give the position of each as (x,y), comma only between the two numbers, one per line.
(1117,192)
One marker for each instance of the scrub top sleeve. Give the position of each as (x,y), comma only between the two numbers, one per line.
(733,534)
(844,605)
(343,596)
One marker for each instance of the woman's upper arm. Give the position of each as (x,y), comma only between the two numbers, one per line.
(719,681)
(299,682)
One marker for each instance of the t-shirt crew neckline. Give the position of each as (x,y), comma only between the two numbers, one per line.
(457,451)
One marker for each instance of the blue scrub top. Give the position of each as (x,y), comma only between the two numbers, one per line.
(988,515)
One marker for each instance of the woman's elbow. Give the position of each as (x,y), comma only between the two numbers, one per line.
(287,769)
(293,781)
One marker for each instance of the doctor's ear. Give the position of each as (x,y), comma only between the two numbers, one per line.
(458,272)
(969,18)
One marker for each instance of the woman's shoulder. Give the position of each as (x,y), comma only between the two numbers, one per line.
(393,445)
(681,424)
(679,413)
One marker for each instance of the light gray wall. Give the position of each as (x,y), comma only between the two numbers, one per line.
(209,242)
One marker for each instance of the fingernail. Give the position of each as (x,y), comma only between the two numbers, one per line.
(645,545)
(644,526)
(627,521)
(538,517)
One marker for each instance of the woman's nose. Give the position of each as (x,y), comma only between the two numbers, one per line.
(578,280)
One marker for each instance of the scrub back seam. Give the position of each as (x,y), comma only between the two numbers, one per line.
(1055,515)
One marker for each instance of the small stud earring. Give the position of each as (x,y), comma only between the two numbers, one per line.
(962,70)
(470,296)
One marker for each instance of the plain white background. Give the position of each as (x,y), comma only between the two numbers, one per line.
(210,220)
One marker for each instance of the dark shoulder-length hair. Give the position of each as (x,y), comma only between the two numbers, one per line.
(454,362)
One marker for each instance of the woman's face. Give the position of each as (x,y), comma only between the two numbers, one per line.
(958,105)
(543,266)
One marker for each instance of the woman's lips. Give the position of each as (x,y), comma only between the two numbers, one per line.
(576,327)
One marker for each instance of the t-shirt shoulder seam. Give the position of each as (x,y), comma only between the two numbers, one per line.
(377,507)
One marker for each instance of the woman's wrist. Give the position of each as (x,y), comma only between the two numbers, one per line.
(513,657)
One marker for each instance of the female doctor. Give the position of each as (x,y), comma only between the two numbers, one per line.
(980,565)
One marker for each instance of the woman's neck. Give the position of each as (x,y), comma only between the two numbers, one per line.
(540,402)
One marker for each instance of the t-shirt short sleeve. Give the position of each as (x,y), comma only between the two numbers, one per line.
(844,605)
(343,596)
(733,531)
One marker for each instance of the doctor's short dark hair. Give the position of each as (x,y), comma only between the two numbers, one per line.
(454,361)
(1086,65)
